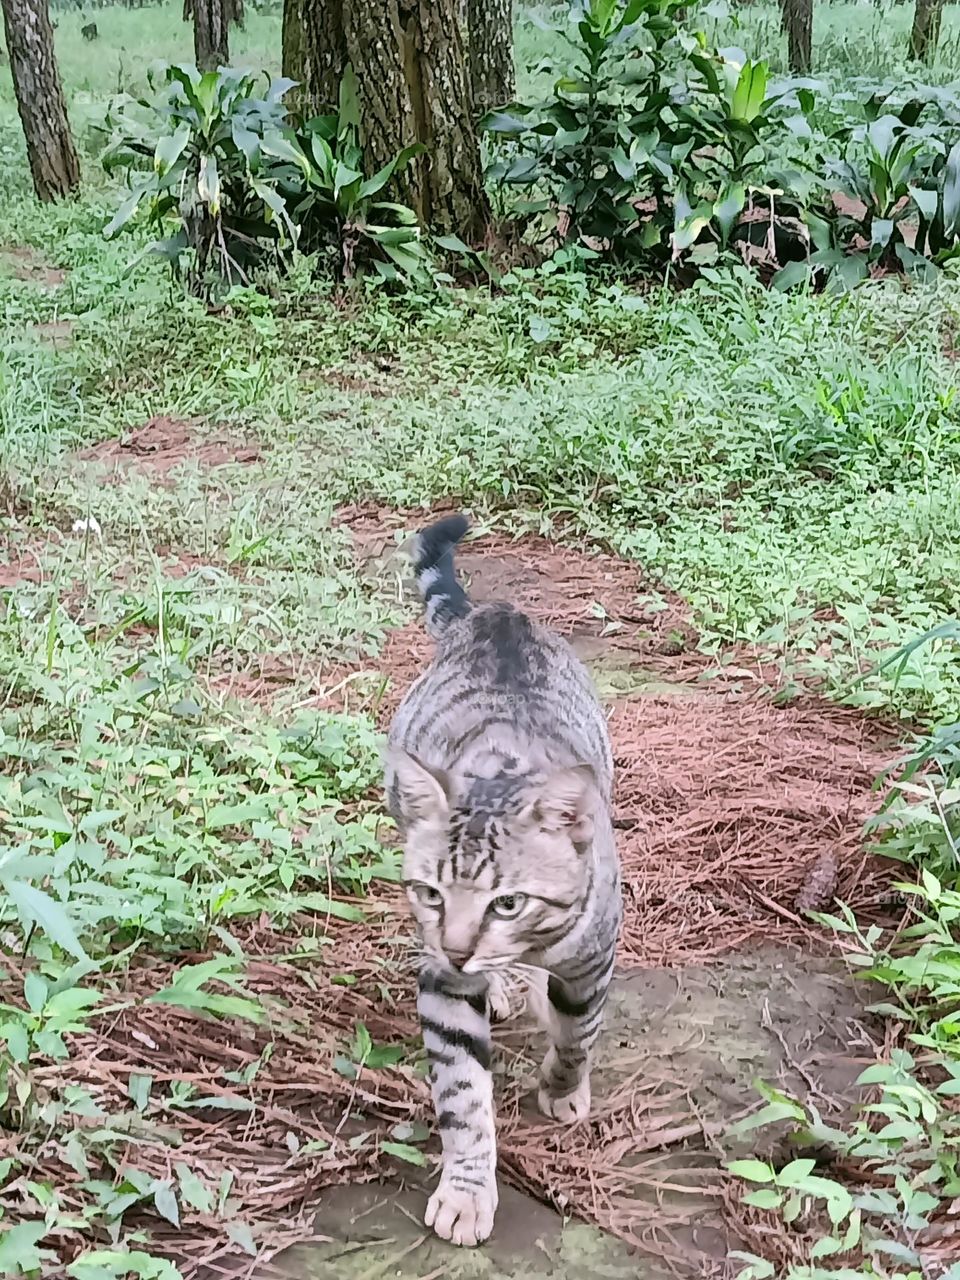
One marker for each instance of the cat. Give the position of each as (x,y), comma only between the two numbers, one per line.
(499,775)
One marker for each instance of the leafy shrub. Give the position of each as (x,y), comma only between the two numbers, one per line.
(232,188)
(334,203)
(887,193)
(654,141)
(654,144)
(595,149)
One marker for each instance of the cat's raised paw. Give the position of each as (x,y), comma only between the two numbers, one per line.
(462,1215)
(570,1108)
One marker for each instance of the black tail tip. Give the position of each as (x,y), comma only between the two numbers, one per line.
(437,539)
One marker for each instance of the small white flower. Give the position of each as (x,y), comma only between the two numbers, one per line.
(89,524)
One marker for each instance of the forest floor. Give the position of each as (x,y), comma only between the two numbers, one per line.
(734,812)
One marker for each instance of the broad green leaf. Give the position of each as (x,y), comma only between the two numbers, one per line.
(344,176)
(19,1254)
(246,141)
(325,906)
(880,231)
(791,275)
(404,1152)
(188,78)
(208,182)
(705,65)
(35,990)
(883,134)
(371,186)
(192,1190)
(752,1170)
(240,1234)
(795,1173)
(39,909)
(170,148)
(138,1089)
(926,201)
(362,1043)
(453,244)
(165,1202)
(750,92)
(125,212)
(17,1040)
(279,87)
(767,1198)
(234,815)
(511,121)
(70,1003)
(118,1264)
(728,208)
(951,192)
(280,147)
(207,91)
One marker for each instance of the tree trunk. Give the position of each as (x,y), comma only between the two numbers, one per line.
(796,17)
(314,53)
(413,83)
(40,101)
(925,35)
(211,30)
(490,40)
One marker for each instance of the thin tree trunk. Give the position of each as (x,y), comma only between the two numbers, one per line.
(211,30)
(925,35)
(40,101)
(797,22)
(490,42)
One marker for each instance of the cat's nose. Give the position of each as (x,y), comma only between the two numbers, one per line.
(458,958)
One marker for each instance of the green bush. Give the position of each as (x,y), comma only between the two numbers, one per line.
(232,188)
(655,145)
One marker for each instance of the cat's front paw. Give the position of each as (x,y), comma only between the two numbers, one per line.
(462,1215)
(569,1108)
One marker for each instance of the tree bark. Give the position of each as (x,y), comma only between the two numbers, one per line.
(796,19)
(314,53)
(925,35)
(414,86)
(43,110)
(490,41)
(211,30)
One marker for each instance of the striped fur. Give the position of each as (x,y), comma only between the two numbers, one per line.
(499,776)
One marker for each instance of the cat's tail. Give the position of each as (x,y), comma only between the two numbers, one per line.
(443,597)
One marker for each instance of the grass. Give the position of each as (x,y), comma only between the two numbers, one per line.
(787,464)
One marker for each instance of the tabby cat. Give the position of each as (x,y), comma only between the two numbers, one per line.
(499,775)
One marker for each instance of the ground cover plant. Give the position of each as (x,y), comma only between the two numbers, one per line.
(740,500)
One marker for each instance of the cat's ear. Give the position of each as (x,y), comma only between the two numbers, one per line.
(567,802)
(420,791)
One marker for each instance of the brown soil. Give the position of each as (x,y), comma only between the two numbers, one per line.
(25,567)
(25,263)
(164,443)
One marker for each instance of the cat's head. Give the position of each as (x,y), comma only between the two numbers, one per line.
(493,883)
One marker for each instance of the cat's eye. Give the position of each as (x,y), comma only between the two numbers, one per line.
(508,905)
(429,896)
